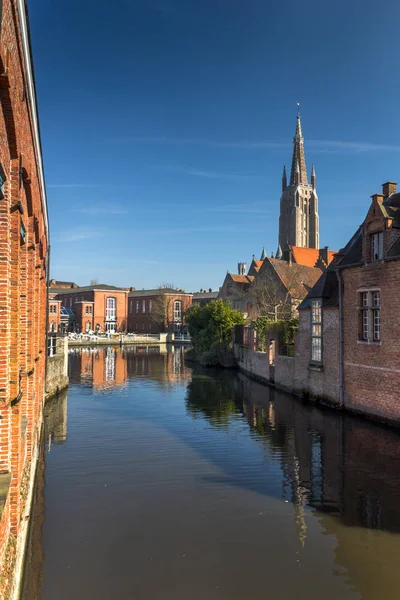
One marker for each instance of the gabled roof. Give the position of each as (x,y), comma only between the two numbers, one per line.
(255,267)
(297,279)
(326,288)
(309,256)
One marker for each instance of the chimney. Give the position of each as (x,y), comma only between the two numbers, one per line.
(389,188)
(324,255)
(242,268)
(378,197)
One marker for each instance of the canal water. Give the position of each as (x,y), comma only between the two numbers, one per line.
(158,481)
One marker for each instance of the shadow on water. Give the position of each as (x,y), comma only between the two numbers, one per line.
(339,464)
(55,432)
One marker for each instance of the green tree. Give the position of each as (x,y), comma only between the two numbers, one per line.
(211,326)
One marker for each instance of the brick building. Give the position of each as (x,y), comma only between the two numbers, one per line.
(23,289)
(348,346)
(158,310)
(54,320)
(98,307)
(203,297)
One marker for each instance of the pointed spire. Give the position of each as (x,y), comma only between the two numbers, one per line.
(313,178)
(284,179)
(279,254)
(298,158)
(263,255)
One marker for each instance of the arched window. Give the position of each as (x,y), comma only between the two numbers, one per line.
(110,308)
(177,310)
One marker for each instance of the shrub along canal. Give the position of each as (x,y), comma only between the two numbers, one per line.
(159,481)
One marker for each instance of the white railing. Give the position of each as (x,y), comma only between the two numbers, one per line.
(154,336)
(182,337)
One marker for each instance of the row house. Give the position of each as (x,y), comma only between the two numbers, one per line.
(157,310)
(100,308)
(24,260)
(348,346)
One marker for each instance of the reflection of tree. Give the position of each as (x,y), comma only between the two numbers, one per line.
(212,398)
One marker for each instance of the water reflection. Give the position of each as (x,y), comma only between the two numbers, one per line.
(341,465)
(105,368)
(246,478)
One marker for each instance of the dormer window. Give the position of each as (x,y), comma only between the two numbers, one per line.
(377,246)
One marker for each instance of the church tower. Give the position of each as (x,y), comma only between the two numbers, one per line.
(298,221)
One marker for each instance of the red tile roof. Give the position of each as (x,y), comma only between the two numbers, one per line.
(242,278)
(309,256)
(297,279)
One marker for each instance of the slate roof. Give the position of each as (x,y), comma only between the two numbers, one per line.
(391,209)
(89,288)
(309,256)
(325,288)
(54,283)
(204,295)
(352,252)
(157,292)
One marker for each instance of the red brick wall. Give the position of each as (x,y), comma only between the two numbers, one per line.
(54,317)
(372,370)
(155,321)
(23,294)
(100,299)
(73,300)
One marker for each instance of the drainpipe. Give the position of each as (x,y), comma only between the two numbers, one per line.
(341,345)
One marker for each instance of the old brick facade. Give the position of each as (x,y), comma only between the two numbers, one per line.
(157,311)
(99,308)
(23,289)
(361,372)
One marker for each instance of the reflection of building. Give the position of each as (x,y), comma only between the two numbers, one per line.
(55,419)
(99,367)
(160,310)
(347,466)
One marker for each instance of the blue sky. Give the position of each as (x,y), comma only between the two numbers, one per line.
(165,125)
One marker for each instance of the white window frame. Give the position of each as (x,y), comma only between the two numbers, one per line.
(111,308)
(150,305)
(143,306)
(316,331)
(370,316)
(130,306)
(377,246)
(137,306)
(177,311)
